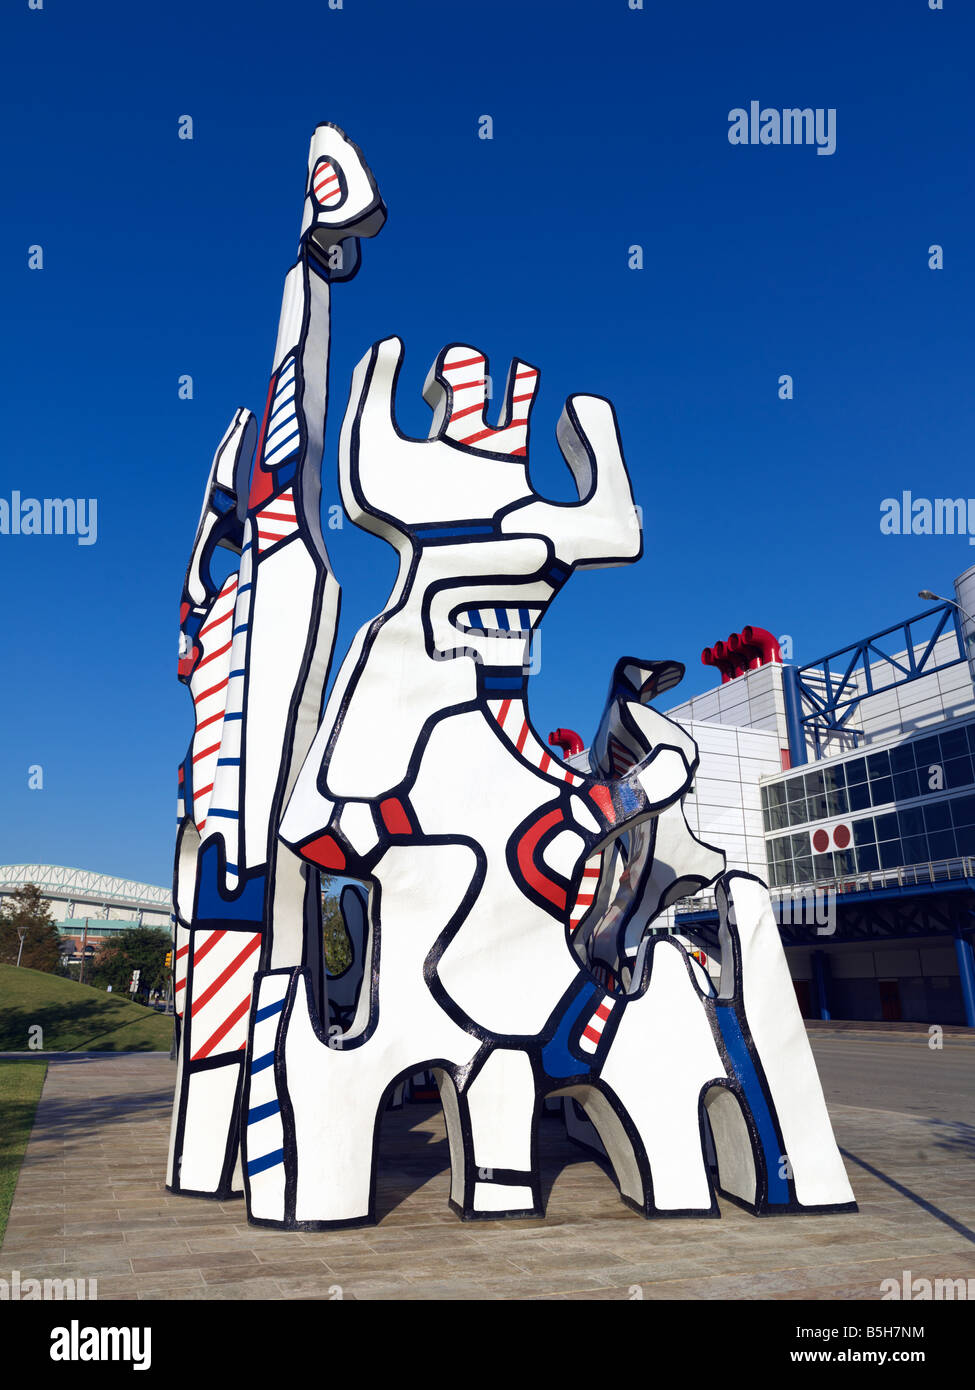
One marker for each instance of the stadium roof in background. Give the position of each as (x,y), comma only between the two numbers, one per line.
(82,885)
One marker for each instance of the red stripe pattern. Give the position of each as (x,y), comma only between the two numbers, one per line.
(208,686)
(593,1031)
(224,963)
(621,759)
(277,521)
(513,723)
(526,860)
(325,184)
(463,373)
(587,891)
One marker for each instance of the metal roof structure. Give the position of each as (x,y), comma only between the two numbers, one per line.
(84,886)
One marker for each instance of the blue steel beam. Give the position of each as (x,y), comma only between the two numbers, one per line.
(705,916)
(966,971)
(793,716)
(840,687)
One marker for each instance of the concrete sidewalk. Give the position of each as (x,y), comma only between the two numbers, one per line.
(91,1204)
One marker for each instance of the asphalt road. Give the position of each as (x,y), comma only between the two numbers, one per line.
(900,1074)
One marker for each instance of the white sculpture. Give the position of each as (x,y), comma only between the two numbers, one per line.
(505,947)
(255,651)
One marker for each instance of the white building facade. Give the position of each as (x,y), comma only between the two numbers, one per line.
(848,785)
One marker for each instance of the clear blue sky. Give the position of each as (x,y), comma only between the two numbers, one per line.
(164,257)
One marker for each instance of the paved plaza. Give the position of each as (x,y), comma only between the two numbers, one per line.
(91,1203)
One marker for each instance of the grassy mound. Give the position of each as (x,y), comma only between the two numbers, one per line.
(20,1090)
(73,1017)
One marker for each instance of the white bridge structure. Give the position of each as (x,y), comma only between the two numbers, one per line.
(76,896)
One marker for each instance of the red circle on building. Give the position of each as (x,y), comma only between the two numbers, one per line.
(820,841)
(841,836)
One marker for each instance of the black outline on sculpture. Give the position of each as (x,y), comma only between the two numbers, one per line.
(299,1059)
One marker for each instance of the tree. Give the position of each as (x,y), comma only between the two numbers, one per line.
(338,948)
(137,948)
(25,912)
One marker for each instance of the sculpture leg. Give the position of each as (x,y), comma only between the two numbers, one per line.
(311,1113)
(315,1101)
(661,1058)
(492,1129)
(768,1050)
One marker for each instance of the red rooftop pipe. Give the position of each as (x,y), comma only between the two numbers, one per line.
(568,740)
(766,644)
(710,657)
(743,651)
(726,660)
(746,657)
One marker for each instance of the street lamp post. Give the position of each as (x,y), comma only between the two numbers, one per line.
(966,640)
(22,933)
(936,598)
(84,948)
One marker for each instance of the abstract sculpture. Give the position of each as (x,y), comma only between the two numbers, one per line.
(505,943)
(659,860)
(255,652)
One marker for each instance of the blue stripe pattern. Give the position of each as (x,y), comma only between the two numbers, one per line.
(276,415)
(438,533)
(505,684)
(269,1011)
(260,1165)
(261,1112)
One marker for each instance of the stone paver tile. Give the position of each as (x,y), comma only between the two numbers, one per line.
(146,1264)
(352,1291)
(153,1285)
(230,1292)
(52,1253)
(280,1268)
(589,1246)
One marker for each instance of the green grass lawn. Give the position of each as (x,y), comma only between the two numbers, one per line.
(20,1090)
(73,1017)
